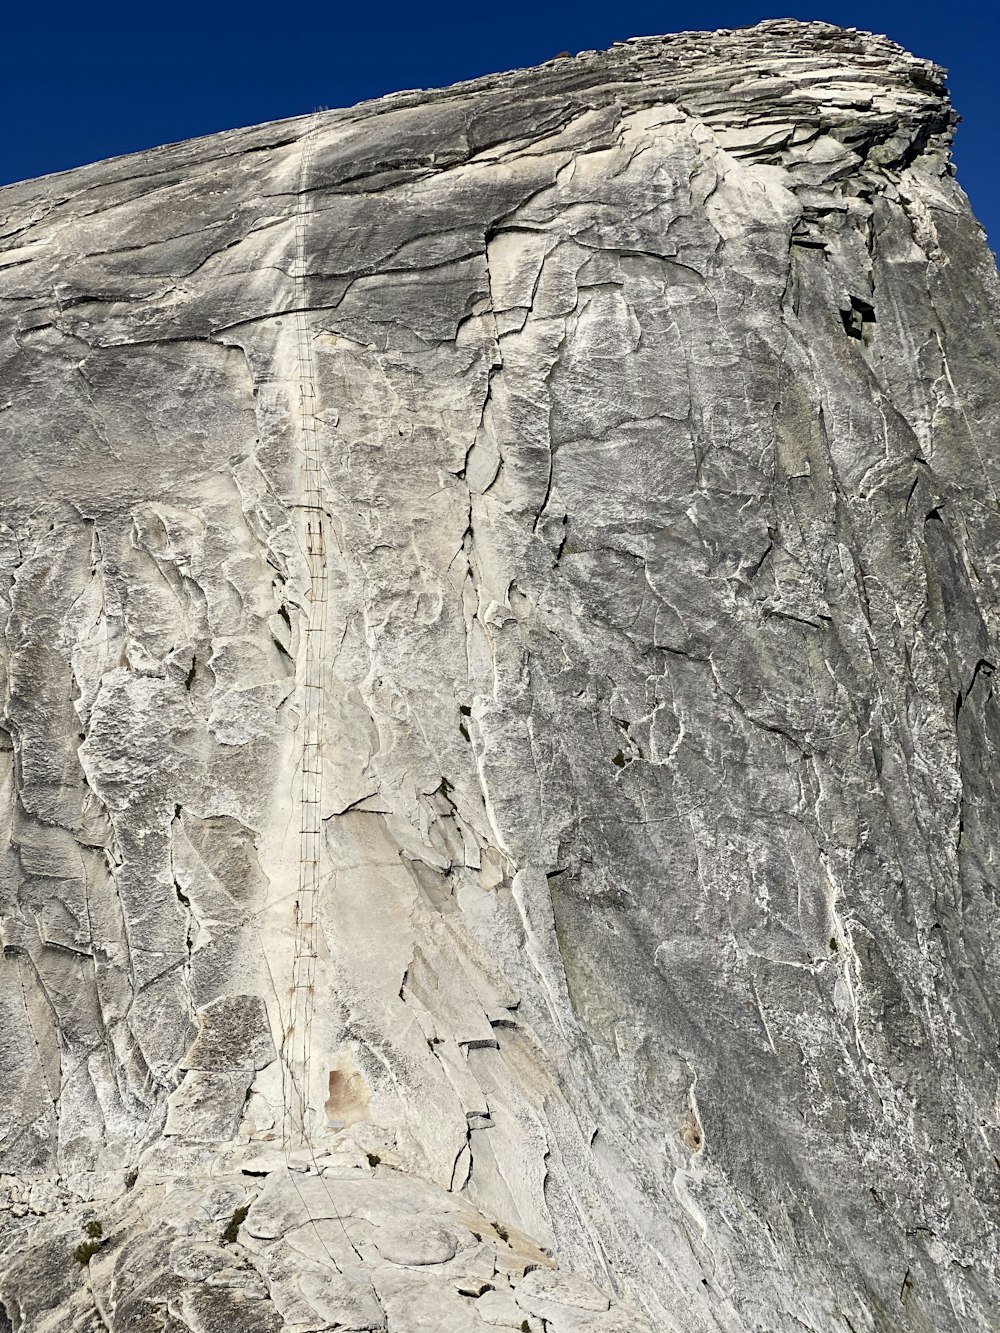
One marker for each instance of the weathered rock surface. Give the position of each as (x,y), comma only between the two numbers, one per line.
(501,806)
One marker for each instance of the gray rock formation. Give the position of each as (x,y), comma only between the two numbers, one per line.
(500,819)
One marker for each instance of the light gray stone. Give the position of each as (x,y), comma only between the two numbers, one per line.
(234,1033)
(344,1300)
(499,1308)
(540,1291)
(207,1105)
(498,613)
(417,1244)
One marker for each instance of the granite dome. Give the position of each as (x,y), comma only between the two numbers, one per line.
(499,614)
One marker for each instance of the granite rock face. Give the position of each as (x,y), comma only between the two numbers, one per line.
(500,822)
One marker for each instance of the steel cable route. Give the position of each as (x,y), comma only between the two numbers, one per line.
(298,1112)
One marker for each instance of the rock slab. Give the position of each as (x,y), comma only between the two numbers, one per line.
(499,755)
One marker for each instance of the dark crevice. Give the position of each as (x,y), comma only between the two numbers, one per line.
(858,318)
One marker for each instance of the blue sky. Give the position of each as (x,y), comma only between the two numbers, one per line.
(84,81)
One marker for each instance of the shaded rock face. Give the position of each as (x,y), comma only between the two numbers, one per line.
(500,611)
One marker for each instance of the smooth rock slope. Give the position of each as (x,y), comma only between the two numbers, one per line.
(500,799)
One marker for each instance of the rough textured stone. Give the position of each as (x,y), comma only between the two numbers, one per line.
(541,1291)
(499,616)
(415,1244)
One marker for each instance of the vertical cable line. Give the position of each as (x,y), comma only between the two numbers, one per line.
(298,1123)
(312,655)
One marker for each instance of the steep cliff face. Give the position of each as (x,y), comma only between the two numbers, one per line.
(500,813)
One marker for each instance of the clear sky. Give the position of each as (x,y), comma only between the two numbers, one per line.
(93,79)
